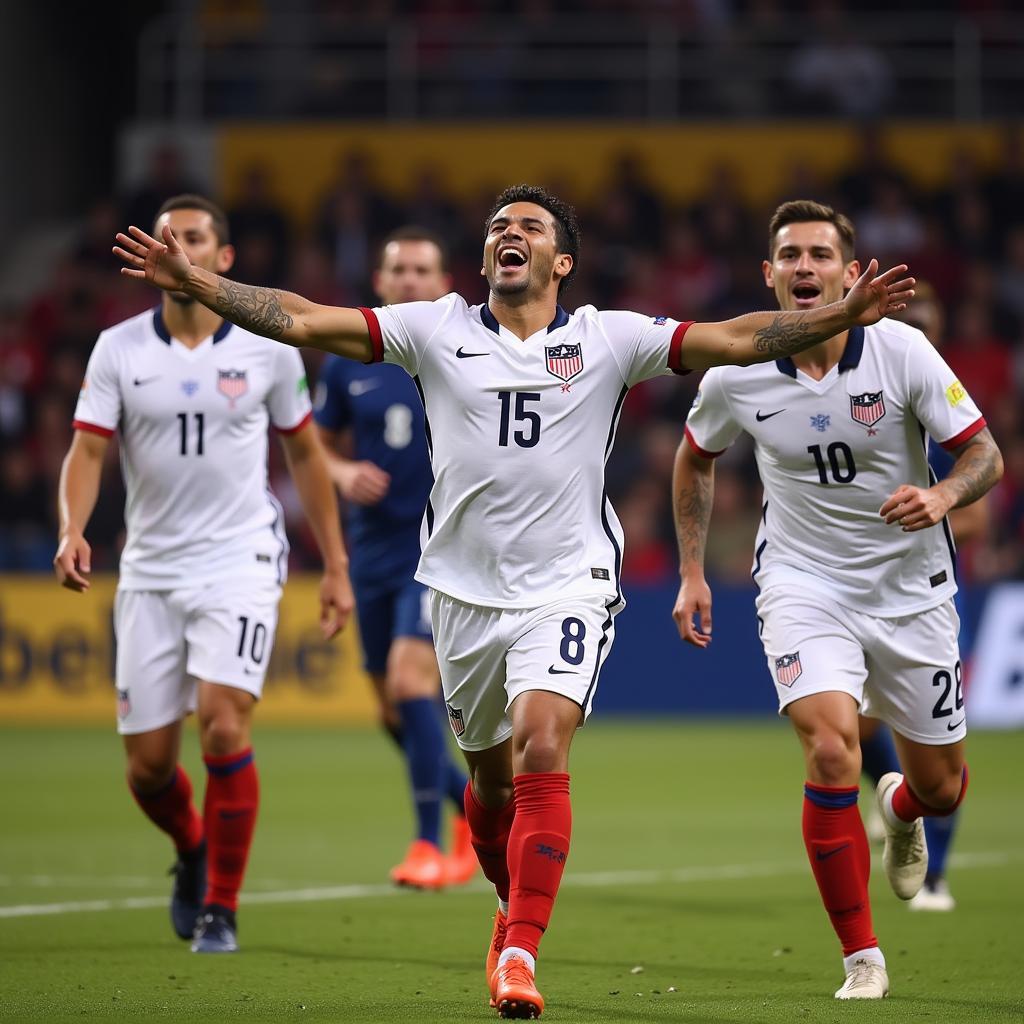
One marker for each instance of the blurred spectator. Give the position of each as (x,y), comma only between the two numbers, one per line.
(979,358)
(260,231)
(26,527)
(890,229)
(164,178)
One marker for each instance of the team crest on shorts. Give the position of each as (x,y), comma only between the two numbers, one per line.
(564,361)
(788,668)
(232,384)
(124,704)
(456,720)
(867,409)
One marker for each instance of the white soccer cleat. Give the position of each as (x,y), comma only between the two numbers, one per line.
(905,857)
(865,980)
(935,897)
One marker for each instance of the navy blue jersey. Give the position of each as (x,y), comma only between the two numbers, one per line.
(380,405)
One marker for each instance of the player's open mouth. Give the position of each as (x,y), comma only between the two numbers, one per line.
(806,294)
(510,258)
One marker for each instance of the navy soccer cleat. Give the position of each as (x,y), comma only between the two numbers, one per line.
(189,889)
(216,931)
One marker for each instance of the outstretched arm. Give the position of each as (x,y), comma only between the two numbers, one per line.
(693,490)
(761,337)
(276,314)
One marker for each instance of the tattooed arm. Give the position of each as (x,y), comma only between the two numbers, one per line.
(693,490)
(761,337)
(977,469)
(283,316)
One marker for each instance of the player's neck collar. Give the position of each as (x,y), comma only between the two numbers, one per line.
(490,321)
(165,335)
(849,360)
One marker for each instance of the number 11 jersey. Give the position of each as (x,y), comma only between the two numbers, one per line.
(519,433)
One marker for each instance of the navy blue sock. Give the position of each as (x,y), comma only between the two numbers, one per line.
(878,755)
(938,834)
(426,756)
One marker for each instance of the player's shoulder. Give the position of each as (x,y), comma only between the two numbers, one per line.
(893,337)
(447,305)
(136,330)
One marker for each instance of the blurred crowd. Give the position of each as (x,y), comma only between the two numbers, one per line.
(700,260)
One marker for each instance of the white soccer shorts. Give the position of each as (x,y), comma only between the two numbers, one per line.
(905,671)
(489,656)
(168,639)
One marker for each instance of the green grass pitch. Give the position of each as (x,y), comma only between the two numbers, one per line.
(686,898)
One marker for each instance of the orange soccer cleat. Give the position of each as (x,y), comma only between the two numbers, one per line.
(423,867)
(494,950)
(514,991)
(460,865)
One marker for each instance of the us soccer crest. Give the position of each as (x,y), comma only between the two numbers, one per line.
(232,384)
(456,720)
(867,409)
(788,668)
(564,361)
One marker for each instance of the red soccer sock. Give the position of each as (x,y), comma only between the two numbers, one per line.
(489,828)
(537,847)
(171,809)
(837,848)
(229,811)
(907,805)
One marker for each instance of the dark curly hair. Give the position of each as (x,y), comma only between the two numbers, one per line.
(567,227)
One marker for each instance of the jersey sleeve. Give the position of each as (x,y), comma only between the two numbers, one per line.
(644,346)
(940,402)
(288,398)
(710,425)
(99,402)
(331,407)
(402,333)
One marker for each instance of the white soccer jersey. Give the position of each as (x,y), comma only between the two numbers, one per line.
(830,452)
(519,432)
(193,437)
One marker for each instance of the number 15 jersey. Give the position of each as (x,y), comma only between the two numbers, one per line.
(830,452)
(519,433)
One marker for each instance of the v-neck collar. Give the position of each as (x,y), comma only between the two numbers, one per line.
(490,321)
(849,360)
(166,337)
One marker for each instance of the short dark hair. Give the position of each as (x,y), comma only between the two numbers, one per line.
(189,201)
(800,211)
(414,233)
(567,227)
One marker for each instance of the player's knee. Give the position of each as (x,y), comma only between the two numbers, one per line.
(943,793)
(539,752)
(833,759)
(403,686)
(222,734)
(149,772)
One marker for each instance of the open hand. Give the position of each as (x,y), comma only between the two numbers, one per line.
(161,263)
(872,298)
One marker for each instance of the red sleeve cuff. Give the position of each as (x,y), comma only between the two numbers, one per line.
(700,451)
(965,435)
(675,347)
(376,338)
(298,426)
(92,428)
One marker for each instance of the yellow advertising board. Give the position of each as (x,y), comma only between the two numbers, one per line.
(57,657)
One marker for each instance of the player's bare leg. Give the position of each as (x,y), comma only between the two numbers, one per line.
(837,846)
(163,791)
(933,785)
(229,810)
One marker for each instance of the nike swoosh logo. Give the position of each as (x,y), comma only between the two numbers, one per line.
(251,671)
(766,416)
(139,381)
(955,725)
(360,387)
(469,355)
(552,671)
(230,815)
(825,854)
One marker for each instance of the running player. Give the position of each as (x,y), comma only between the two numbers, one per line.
(855,604)
(190,396)
(374,413)
(878,754)
(521,549)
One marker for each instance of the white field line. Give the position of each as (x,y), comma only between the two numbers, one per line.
(592,879)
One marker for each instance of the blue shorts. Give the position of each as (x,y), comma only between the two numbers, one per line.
(385,615)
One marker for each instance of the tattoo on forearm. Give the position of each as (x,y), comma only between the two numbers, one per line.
(781,338)
(256,309)
(693,514)
(976,470)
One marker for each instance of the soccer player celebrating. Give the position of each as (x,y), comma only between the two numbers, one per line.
(376,414)
(855,604)
(205,558)
(520,547)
